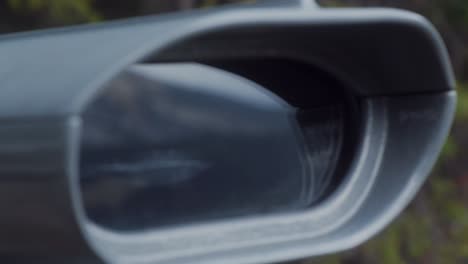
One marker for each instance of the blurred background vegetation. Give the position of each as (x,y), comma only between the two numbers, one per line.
(434,229)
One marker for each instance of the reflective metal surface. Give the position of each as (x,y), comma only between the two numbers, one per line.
(173,144)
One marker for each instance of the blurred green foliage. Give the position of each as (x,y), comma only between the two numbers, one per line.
(462,107)
(455,11)
(59,11)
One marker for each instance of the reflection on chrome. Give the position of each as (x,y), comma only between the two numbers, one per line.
(180,143)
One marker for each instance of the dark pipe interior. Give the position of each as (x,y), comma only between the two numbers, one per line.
(323,109)
(308,88)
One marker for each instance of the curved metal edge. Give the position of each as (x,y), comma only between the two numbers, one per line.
(165,245)
(153,50)
(73,150)
(429,124)
(42,55)
(418,122)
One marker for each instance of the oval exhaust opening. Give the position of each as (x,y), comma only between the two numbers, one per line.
(175,144)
